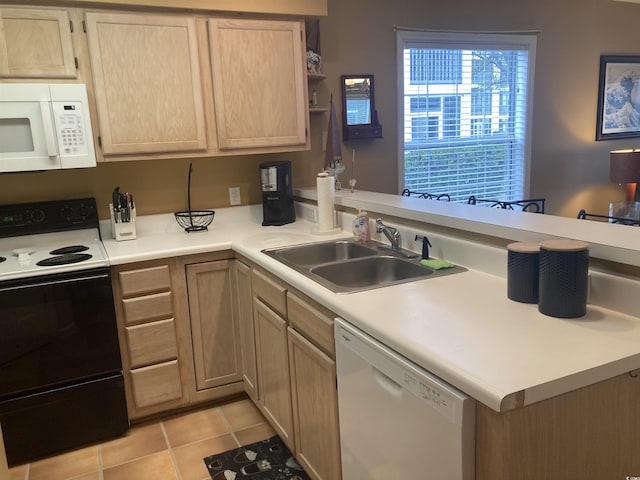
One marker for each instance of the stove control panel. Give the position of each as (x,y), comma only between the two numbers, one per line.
(46,217)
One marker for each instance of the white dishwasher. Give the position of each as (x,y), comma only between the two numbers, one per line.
(398,421)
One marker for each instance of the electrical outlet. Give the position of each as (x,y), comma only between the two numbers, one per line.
(234,196)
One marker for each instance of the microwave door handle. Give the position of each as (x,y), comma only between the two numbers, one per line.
(49,135)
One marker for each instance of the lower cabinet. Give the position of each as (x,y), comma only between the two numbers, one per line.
(269,310)
(146,315)
(247,330)
(296,373)
(214,323)
(315,408)
(178,328)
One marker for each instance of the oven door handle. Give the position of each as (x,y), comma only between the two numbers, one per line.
(45,282)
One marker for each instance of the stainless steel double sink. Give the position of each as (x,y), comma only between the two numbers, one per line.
(345,266)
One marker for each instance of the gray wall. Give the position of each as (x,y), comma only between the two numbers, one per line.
(568,167)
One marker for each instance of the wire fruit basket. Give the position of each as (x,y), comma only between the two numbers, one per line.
(193,220)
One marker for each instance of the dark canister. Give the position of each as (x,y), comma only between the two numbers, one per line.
(564,278)
(522,271)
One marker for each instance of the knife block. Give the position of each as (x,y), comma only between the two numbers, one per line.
(123,230)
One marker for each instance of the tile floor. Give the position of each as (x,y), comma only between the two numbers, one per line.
(168,449)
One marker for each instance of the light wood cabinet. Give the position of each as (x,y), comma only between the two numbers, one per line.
(259,83)
(247,331)
(214,323)
(312,8)
(179,331)
(296,373)
(148,338)
(273,357)
(315,408)
(36,43)
(590,433)
(147,83)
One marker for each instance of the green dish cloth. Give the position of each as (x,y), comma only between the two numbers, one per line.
(436,263)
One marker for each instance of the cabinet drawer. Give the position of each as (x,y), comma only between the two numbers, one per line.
(270,292)
(145,280)
(152,343)
(149,307)
(156,384)
(311,322)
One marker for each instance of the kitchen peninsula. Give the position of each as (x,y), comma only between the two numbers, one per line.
(540,381)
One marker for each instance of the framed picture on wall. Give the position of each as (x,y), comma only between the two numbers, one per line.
(618,97)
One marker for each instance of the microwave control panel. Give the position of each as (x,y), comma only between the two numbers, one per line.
(70,127)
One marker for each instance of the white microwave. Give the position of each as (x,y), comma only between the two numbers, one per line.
(45,127)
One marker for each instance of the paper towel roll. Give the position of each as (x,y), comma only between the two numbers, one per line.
(326,197)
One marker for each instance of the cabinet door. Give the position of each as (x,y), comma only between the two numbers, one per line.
(315,409)
(273,370)
(214,324)
(147,82)
(247,331)
(258,82)
(36,43)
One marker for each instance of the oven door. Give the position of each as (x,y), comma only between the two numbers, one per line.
(56,330)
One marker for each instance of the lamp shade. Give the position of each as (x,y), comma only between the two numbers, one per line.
(625,166)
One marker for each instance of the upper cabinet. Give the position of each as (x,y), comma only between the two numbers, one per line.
(146,73)
(311,8)
(259,85)
(36,43)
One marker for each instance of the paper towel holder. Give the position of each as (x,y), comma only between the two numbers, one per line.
(325,229)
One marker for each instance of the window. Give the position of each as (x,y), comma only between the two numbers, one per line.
(464,113)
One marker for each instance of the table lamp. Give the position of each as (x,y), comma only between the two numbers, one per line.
(625,168)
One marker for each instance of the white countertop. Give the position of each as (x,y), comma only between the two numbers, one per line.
(462,327)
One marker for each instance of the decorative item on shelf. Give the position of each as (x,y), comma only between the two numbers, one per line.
(624,168)
(314,62)
(193,220)
(618,106)
(533,205)
(429,196)
(333,151)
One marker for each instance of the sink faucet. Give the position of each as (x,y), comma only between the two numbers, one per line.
(391,233)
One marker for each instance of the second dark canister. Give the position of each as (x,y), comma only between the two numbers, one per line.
(564,278)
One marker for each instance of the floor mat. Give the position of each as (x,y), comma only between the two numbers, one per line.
(268,459)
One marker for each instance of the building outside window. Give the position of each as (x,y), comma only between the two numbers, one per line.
(465,113)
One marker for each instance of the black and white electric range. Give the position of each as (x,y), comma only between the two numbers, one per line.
(61,382)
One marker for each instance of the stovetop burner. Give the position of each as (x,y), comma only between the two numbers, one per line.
(45,238)
(64,259)
(69,249)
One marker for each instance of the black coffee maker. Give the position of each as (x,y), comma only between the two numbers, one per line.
(277,196)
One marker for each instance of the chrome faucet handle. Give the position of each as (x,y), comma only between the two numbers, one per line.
(390,232)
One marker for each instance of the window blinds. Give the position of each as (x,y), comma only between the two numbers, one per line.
(465,113)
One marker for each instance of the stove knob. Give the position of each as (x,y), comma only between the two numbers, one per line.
(83,211)
(37,216)
(66,213)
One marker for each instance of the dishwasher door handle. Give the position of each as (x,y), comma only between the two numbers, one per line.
(387,383)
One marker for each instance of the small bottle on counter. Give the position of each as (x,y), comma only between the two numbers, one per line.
(361,230)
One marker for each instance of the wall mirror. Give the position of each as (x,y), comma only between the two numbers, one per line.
(359,116)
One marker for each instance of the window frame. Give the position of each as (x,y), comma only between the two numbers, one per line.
(408,38)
